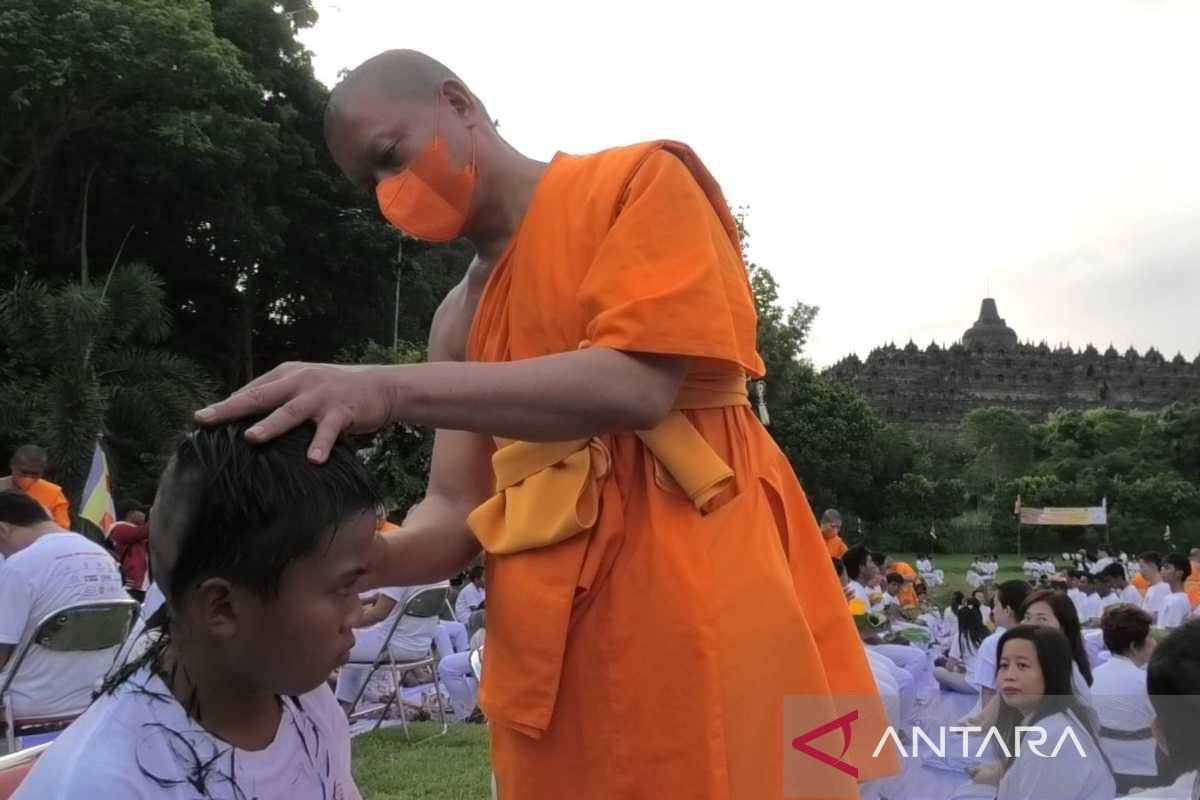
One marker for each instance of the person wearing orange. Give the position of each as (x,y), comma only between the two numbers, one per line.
(908,592)
(587,381)
(1192,585)
(831,530)
(27,465)
(1139,582)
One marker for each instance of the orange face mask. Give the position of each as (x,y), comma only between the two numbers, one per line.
(429,200)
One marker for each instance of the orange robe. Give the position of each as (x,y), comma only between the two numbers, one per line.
(649,656)
(837,548)
(1140,583)
(908,592)
(1192,586)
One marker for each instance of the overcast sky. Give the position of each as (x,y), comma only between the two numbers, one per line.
(898,158)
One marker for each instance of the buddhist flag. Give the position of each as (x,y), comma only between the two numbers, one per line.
(97,494)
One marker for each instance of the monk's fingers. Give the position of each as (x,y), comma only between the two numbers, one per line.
(249,402)
(298,408)
(278,373)
(331,426)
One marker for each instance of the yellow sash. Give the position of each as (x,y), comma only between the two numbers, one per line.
(548,492)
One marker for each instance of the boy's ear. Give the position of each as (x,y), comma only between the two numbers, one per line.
(216,608)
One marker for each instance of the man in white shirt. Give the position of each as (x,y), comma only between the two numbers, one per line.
(860,569)
(1076,580)
(1175,607)
(260,554)
(1120,698)
(1103,559)
(471,596)
(1118,583)
(412,640)
(47,568)
(1010,595)
(1157,590)
(895,582)
(1173,682)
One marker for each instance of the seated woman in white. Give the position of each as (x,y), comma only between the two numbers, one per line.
(1034,678)
(1120,697)
(964,650)
(1173,682)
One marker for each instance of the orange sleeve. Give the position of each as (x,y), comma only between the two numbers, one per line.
(666,278)
(60,510)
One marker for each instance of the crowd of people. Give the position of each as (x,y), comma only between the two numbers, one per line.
(1080,649)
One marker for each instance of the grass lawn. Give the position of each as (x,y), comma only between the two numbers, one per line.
(955,566)
(452,767)
(458,767)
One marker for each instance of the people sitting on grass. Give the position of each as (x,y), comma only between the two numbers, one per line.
(1175,608)
(1010,598)
(1034,676)
(931,575)
(1120,699)
(260,555)
(47,568)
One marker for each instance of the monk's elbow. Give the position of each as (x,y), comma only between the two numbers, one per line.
(645,407)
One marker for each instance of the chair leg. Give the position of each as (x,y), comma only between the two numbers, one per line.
(437,688)
(362,690)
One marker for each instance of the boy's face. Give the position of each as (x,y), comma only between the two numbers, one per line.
(289,644)
(893,587)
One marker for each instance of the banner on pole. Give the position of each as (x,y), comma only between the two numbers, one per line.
(1093,515)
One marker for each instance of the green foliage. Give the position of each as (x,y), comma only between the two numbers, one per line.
(398,457)
(78,362)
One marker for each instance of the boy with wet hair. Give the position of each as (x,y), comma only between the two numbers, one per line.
(261,555)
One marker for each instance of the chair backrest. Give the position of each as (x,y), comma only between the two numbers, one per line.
(426,603)
(80,627)
(14,768)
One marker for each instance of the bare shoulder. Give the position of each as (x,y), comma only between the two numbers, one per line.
(451,325)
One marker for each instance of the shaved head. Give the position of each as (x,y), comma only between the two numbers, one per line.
(400,76)
(30,455)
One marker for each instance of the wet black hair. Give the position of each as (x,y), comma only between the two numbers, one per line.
(21,510)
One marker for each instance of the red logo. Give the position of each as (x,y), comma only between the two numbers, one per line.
(843,722)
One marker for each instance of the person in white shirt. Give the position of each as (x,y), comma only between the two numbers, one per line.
(985,604)
(1176,607)
(45,569)
(1076,591)
(964,650)
(471,598)
(1101,598)
(860,570)
(1034,675)
(895,582)
(1010,597)
(1103,559)
(260,555)
(411,641)
(1157,589)
(1118,583)
(1173,683)
(1120,698)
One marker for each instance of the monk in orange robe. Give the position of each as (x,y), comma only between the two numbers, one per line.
(657,583)
(1139,582)
(908,592)
(28,464)
(831,529)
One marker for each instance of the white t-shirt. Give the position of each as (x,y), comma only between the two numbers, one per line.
(984,676)
(1130,594)
(139,744)
(860,593)
(57,570)
(1156,595)
(1122,703)
(1067,776)
(1184,788)
(1093,607)
(470,597)
(413,634)
(1174,610)
(1079,598)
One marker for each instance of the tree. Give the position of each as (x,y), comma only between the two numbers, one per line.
(68,67)
(1002,442)
(85,360)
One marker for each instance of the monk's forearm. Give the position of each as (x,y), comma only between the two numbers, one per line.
(432,545)
(551,398)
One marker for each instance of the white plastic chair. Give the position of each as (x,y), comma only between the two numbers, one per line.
(424,604)
(80,627)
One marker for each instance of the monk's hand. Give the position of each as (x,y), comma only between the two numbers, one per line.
(337,399)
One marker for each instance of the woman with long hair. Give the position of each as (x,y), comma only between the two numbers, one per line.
(1048,608)
(1034,681)
(964,649)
